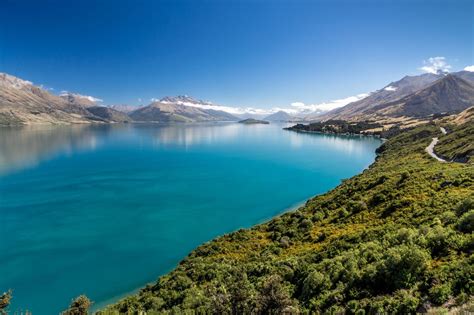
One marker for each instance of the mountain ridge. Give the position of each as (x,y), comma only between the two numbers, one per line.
(396,93)
(21,102)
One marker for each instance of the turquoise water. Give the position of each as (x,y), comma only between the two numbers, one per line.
(103,210)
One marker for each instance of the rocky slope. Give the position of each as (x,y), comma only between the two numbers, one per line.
(412,96)
(78,99)
(449,94)
(23,103)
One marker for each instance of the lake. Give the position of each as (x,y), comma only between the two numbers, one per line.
(103,210)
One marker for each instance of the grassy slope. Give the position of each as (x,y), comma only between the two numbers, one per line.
(391,239)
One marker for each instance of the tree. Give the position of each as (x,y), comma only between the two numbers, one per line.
(5,299)
(79,306)
(274,298)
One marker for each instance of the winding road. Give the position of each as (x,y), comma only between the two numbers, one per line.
(430,147)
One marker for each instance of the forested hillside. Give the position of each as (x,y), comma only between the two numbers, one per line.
(395,239)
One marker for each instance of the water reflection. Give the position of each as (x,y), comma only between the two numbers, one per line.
(27,146)
(187,135)
(22,147)
(343,143)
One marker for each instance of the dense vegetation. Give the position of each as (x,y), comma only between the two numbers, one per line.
(397,238)
(458,144)
(338,126)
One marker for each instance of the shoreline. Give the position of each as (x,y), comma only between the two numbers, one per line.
(101,305)
(334,133)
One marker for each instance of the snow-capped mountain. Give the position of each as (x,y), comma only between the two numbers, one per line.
(83,100)
(296,110)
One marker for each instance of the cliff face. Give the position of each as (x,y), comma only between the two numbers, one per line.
(395,239)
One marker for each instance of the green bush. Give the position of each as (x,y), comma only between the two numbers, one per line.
(464,206)
(403,266)
(466,222)
(440,293)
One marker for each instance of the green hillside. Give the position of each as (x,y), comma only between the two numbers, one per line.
(395,239)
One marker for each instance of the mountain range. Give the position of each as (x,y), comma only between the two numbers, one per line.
(173,109)
(411,98)
(22,103)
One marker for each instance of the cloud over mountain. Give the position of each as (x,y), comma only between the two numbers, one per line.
(435,65)
(469,68)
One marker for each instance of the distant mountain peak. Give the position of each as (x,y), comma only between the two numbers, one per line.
(280,115)
(84,100)
(183,100)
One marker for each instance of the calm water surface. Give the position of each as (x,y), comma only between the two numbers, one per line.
(102,210)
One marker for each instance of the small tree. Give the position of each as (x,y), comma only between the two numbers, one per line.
(79,306)
(5,299)
(274,298)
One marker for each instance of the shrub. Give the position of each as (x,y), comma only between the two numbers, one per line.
(313,284)
(466,222)
(377,199)
(79,306)
(441,240)
(5,299)
(440,293)
(464,206)
(405,302)
(357,206)
(403,266)
(273,297)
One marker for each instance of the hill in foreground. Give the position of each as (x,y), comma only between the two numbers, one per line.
(395,239)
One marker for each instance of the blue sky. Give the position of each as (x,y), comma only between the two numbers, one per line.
(239,53)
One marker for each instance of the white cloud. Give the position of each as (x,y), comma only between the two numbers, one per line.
(46,88)
(390,88)
(87,97)
(435,65)
(469,68)
(299,107)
